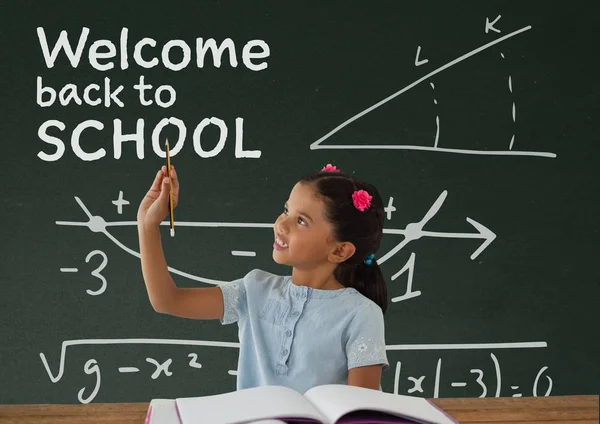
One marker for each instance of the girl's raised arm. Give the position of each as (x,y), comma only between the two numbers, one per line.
(165,296)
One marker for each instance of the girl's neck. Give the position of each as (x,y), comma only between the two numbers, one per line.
(320,279)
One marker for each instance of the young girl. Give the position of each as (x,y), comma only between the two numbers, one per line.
(321,325)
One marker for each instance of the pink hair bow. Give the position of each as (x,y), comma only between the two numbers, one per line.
(361,200)
(330,168)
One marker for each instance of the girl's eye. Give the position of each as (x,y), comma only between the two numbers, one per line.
(300,221)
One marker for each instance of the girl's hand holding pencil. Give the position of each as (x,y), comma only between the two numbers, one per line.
(155,207)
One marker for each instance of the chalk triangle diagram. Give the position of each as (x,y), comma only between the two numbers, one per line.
(430,139)
(319,143)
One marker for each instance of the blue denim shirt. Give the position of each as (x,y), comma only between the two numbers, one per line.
(300,337)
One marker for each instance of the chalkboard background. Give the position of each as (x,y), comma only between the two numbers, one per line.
(517,317)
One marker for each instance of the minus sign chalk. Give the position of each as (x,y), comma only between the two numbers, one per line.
(69,270)
(459,384)
(243,253)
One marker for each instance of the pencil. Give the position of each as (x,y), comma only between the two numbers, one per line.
(171,216)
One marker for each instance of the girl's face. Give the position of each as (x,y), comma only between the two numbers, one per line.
(303,237)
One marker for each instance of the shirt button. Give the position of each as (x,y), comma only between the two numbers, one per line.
(284,352)
(288,333)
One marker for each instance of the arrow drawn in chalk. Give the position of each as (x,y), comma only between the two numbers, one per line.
(413,231)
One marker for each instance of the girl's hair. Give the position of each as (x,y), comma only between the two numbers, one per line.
(363,229)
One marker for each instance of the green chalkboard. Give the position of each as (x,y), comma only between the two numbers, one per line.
(477,121)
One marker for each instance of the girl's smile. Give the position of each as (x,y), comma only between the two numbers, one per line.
(279,244)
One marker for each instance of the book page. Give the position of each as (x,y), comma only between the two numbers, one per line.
(259,403)
(335,401)
(162,411)
(269,421)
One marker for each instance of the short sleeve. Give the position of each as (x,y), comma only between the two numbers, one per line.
(234,300)
(366,342)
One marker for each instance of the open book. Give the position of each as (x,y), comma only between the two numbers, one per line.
(328,404)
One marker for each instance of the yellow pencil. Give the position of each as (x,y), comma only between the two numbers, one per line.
(171,216)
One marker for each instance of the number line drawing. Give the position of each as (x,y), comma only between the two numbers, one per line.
(208,343)
(317,144)
(413,231)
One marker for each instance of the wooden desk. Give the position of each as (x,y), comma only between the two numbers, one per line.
(531,410)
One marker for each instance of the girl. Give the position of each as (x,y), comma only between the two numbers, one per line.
(321,325)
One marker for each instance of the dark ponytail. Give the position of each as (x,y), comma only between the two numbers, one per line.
(367,279)
(364,229)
